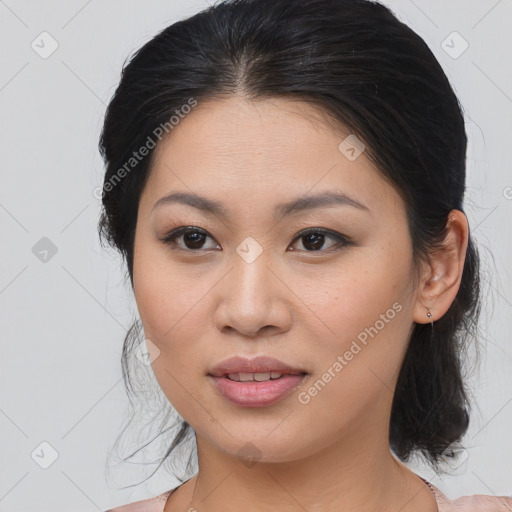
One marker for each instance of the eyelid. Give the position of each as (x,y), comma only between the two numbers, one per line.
(340,238)
(169,238)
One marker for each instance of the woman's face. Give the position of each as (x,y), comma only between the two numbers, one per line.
(242,282)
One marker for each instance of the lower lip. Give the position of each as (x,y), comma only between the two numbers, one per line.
(257,394)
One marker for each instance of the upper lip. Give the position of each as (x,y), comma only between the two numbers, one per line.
(261,364)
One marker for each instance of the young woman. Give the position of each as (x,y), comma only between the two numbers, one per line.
(285,181)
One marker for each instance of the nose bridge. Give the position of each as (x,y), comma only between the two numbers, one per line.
(252,287)
(251,296)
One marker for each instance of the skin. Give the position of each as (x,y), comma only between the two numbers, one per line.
(202,305)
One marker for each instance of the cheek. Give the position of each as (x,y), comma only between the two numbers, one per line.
(173,307)
(170,314)
(165,300)
(352,295)
(366,318)
(358,366)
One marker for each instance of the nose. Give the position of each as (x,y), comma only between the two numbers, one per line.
(253,301)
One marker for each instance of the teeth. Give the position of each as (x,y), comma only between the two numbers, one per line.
(262,376)
(259,377)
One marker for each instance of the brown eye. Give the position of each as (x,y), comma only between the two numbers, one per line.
(314,239)
(193,238)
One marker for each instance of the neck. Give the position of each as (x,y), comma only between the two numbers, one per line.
(358,473)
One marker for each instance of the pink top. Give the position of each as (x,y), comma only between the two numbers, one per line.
(474,503)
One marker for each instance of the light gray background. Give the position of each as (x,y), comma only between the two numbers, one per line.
(63,320)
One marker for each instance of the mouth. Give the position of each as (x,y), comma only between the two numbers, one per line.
(257,382)
(258,377)
(260,368)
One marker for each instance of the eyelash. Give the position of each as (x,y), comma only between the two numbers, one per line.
(342,240)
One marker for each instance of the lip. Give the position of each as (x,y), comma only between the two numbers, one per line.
(255,393)
(259,364)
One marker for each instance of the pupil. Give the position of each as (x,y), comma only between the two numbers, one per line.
(194,238)
(318,240)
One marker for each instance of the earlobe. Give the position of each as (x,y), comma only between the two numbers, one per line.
(438,290)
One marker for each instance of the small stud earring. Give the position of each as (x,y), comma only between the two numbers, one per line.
(429,314)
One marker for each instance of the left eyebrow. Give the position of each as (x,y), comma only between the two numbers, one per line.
(307,202)
(325,199)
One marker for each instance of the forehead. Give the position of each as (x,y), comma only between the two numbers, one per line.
(271,149)
(233,127)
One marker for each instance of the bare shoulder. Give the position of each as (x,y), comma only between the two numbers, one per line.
(155,504)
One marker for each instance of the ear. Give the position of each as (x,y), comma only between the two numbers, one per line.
(441,277)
